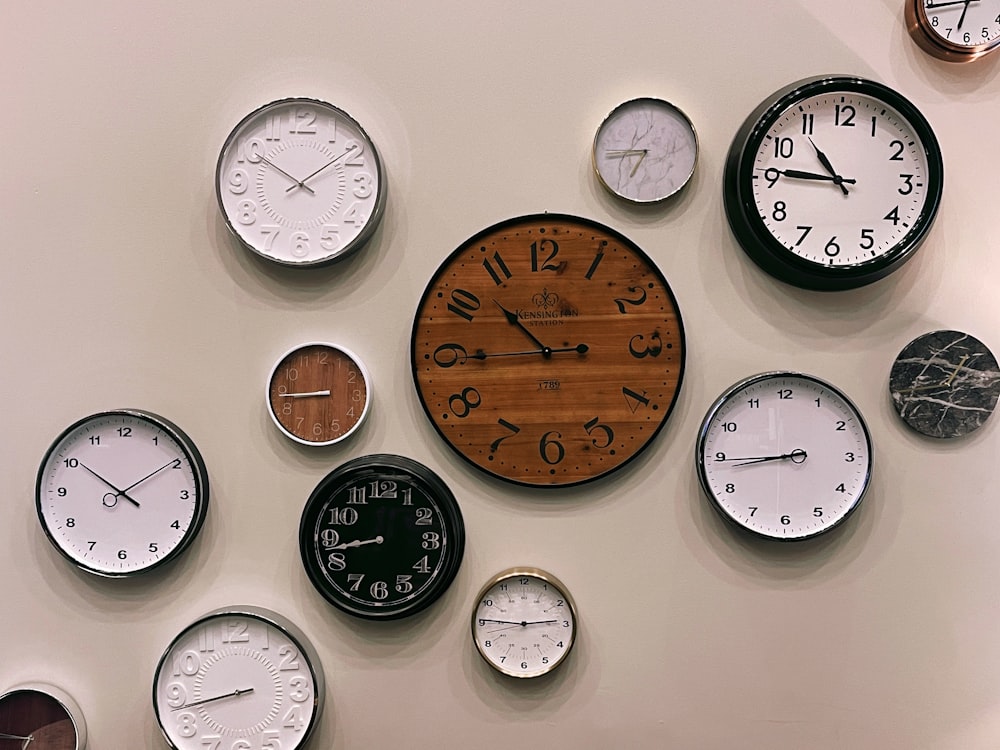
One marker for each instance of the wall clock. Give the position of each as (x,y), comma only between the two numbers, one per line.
(954,30)
(548,350)
(242,677)
(41,717)
(122,492)
(300,183)
(645,150)
(319,393)
(945,384)
(524,622)
(784,455)
(381,537)
(833,182)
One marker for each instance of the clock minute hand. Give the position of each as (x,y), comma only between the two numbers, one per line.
(961,19)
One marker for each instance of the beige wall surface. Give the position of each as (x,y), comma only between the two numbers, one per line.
(123,288)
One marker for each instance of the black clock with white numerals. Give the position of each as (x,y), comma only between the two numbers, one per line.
(833,182)
(381,537)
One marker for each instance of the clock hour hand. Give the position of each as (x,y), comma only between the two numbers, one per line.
(513,320)
(118,493)
(298,183)
(797,456)
(234,694)
(358,543)
(579,349)
(828,166)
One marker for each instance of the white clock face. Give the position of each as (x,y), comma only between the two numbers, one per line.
(524,623)
(119,493)
(645,150)
(972,25)
(238,680)
(784,455)
(840,178)
(300,183)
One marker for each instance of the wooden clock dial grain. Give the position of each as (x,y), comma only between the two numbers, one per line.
(318,394)
(548,350)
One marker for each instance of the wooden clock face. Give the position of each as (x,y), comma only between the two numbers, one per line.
(548,350)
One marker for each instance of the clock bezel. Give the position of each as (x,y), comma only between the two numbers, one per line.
(922,32)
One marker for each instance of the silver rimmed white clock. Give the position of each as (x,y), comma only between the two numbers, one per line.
(243,678)
(300,183)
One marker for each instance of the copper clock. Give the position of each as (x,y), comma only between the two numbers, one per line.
(548,350)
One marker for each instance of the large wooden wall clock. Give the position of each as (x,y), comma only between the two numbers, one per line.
(548,350)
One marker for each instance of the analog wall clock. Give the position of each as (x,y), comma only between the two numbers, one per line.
(242,677)
(548,350)
(41,717)
(319,393)
(524,622)
(784,455)
(122,492)
(300,183)
(833,182)
(945,384)
(381,537)
(954,30)
(645,150)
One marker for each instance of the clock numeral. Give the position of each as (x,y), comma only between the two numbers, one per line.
(907,184)
(238,181)
(288,659)
(654,348)
(463,304)
(250,150)
(843,116)
(780,212)
(235,631)
(783,148)
(357,496)
(550,449)
(403,585)
(638,297)
(462,404)
(272,128)
(634,400)
(384,490)
(500,273)
(805,233)
(807,123)
(343,517)
(425,517)
(364,183)
(303,122)
(357,158)
(893,216)
(898,148)
(832,249)
(356,214)
(549,246)
(595,426)
(449,355)
(514,429)
(597,261)
(867,239)
(423,565)
(246,212)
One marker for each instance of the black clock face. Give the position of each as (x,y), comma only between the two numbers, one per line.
(381,537)
(945,384)
(833,182)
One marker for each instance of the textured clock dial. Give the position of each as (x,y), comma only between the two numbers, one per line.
(381,537)
(548,350)
(833,183)
(122,492)
(299,182)
(239,677)
(955,31)
(784,455)
(945,384)
(36,713)
(645,150)
(318,394)
(524,623)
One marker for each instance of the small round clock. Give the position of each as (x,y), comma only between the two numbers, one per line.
(954,30)
(381,537)
(524,622)
(945,384)
(319,393)
(243,676)
(122,492)
(548,350)
(645,150)
(833,182)
(300,183)
(784,455)
(38,716)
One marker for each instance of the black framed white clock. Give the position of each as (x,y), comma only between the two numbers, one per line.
(381,537)
(833,182)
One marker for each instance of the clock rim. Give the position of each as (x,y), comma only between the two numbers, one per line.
(633,247)
(198,469)
(752,234)
(363,236)
(65,701)
(375,464)
(922,32)
(725,397)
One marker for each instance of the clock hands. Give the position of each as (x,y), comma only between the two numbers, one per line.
(522,623)
(234,694)
(302,184)
(298,183)
(24,740)
(828,166)
(513,320)
(118,493)
(622,153)
(358,543)
(546,352)
(172,462)
(798,174)
(306,394)
(961,19)
(797,456)
(935,6)
(946,383)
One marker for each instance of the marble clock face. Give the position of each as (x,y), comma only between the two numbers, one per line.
(945,384)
